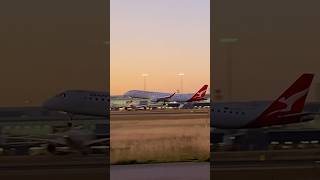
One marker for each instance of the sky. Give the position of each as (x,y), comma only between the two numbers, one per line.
(161,38)
(275,44)
(49,47)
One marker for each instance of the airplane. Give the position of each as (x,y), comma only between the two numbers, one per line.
(166,97)
(286,109)
(96,103)
(92,103)
(131,105)
(75,138)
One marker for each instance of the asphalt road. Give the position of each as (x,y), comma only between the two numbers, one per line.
(95,167)
(54,167)
(165,171)
(266,170)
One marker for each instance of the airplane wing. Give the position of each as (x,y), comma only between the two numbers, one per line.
(165,98)
(305,116)
(34,140)
(97,141)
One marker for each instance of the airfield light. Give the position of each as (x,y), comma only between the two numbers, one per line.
(229,42)
(181,82)
(145,75)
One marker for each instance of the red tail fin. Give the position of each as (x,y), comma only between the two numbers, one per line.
(292,101)
(199,95)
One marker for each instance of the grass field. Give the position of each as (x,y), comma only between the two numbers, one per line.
(148,141)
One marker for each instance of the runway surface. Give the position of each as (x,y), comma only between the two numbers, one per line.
(95,167)
(159,114)
(266,165)
(55,167)
(266,170)
(166,171)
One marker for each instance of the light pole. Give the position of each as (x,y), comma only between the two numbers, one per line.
(144,75)
(228,43)
(181,82)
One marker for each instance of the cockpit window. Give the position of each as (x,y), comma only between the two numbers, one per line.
(61,95)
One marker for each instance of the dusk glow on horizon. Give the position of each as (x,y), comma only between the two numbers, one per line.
(160,38)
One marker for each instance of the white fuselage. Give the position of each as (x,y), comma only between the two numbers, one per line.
(235,115)
(80,102)
(155,96)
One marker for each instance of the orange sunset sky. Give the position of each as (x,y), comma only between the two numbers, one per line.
(161,38)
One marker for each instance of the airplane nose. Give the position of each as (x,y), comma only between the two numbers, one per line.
(50,104)
(55,103)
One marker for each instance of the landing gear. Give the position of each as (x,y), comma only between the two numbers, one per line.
(69,124)
(70,116)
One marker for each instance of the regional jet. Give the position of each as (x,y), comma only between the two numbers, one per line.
(83,102)
(286,109)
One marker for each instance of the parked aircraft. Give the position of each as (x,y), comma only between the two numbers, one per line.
(165,97)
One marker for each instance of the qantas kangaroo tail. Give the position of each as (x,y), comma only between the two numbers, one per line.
(289,106)
(198,96)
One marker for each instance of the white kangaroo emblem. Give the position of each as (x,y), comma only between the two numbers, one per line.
(290,101)
(200,94)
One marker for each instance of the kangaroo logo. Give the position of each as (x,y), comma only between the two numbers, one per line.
(200,94)
(289,102)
